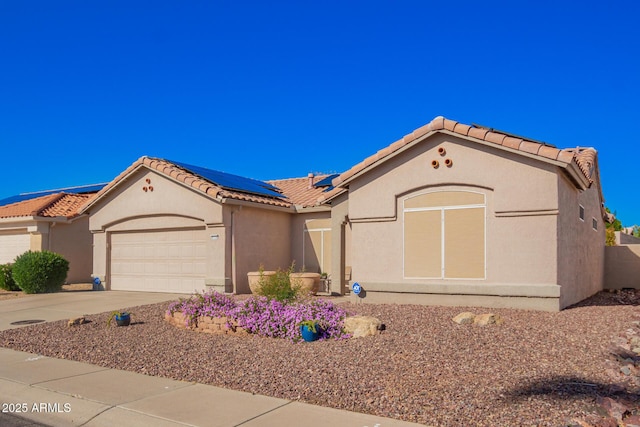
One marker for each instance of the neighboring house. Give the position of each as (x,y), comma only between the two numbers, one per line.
(166,226)
(626,237)
(453,214)
(49,220)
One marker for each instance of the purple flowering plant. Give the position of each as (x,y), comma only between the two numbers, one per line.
(266,317)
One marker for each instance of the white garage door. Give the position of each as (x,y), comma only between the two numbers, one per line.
(159,261)
(13,244)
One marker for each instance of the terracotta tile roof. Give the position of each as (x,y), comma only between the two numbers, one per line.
(298,190)
(49,206)
(586,160)
(583,157)
(192,180)
(68,205)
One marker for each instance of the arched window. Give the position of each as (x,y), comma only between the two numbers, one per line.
(444,235)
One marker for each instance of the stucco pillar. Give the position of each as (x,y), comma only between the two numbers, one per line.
(339,213)
(39,237)
(100,254)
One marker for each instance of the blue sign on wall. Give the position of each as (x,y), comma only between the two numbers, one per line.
(96,281)
(356,288)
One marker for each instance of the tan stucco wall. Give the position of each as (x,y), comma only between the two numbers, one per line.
(534,186)
(622,267)
(128,200)
(521,215)
(169,206)
(261,237)
(580,247)
(75,242)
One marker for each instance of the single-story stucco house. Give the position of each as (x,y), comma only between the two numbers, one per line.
(454,214)
(49,220)
(450,214)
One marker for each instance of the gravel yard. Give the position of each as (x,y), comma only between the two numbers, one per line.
(535,369)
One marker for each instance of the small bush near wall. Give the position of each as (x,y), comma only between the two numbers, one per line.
(278,286)
(39,272)
(6,278)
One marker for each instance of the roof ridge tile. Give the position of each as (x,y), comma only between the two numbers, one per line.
(450,124)
(495,137)
(461,128)
(511,142)
(437,123)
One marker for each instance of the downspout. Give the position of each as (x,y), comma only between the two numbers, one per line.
(234,273)
(51,225)
(234,283)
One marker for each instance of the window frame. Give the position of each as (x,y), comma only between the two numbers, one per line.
(442,210)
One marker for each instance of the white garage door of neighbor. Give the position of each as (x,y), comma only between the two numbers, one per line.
(12,245)
(159,261)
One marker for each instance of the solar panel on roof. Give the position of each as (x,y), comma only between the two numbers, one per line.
(326,181)
(83,189)
(233,182)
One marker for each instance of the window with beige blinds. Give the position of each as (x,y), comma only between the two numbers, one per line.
(444,235)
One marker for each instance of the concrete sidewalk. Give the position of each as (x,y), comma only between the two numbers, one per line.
(56,392)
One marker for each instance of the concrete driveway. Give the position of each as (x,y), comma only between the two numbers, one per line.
(65,305)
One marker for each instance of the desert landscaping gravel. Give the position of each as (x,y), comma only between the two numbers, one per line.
(535,369)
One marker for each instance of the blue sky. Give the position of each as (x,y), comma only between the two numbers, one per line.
(279,89)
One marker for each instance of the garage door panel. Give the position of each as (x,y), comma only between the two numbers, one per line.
(159,261)
(12,245)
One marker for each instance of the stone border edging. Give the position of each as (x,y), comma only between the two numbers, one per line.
(206,324)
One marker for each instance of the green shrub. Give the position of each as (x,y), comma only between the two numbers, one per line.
(278,286)
(6,278)
(38,272)
(610,237)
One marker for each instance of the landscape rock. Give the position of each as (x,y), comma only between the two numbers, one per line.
(614,409)
(74,321)
(488,319)
(464,318)
(632,421)
(362,326)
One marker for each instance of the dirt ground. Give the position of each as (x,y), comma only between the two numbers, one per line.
(76,287)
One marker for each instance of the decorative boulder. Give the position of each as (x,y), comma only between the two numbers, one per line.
(76,321)
(464,318)
(362,326)
(488,319)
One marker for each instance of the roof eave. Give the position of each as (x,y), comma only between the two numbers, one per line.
(36,218)
(419,140)
(333,196)
(258,205)
(311,209)
(10,219)
(577,177)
